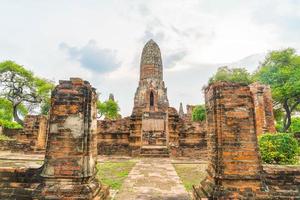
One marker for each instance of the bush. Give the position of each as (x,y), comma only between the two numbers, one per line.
(199,113)
(279,148)
(9,124)
(295,125)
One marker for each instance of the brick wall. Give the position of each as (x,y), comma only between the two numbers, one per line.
(113,137)
(18,182)
(34,132)
(283,181)
(193,139)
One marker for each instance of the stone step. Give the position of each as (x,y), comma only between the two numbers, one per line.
(154,151)
(155,155)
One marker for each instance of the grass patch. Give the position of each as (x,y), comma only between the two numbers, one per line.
(114,173)
(4,137)
(190,174)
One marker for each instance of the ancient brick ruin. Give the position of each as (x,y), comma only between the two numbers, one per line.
(31,138)
(154,128)
(234,169)
(236,115)
(69,169)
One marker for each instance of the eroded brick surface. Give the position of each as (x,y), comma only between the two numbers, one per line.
(234,168)
(33,134)
(69,166)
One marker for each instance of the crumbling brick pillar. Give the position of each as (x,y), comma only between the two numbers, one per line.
(69,168)
(41,132)
(234,168)
(263,106)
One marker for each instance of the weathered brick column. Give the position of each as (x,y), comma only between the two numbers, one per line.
(69,168)
(234,169)
(263,107)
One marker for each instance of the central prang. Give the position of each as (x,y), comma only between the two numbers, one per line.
(151,102)
(151,94)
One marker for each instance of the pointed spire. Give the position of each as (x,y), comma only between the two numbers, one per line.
(181,113)
(111,97)
(151,61)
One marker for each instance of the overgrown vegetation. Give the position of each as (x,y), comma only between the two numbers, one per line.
(279,148)
(198,113)
(190,174)
(236,75)
(114,173)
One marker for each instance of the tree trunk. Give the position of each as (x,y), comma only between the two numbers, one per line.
(16,116)
(287,118)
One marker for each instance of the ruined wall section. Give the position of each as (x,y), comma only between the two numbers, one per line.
(33,134)
(187,138)
(193,139)
(113,137)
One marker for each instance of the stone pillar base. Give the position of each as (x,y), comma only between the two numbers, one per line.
(71,190)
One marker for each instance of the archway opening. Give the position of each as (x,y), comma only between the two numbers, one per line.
(151,99)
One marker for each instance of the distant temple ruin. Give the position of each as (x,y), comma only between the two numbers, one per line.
(71,138)
(154,128)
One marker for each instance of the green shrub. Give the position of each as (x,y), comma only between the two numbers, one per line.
(9,124)
(198,113)
(278,148)
(295,125)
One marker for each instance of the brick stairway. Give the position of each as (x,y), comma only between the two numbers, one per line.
(154,151)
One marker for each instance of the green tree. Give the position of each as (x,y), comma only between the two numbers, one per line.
(198,113)
(21,88)
(281,70)
(236,75)
(109,109)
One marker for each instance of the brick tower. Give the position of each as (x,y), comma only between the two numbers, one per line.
(150,111)
(151,94)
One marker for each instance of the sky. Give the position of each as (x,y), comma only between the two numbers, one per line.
(101,40)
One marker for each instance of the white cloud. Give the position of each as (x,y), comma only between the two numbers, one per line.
(195,37)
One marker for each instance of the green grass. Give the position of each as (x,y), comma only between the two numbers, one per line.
(4,137)
(114,173)
(190,174)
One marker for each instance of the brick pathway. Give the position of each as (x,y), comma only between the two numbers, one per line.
(153,179)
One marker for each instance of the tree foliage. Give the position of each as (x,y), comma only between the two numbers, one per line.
(6,110)
(281,70)
(295,125)
(21,88)
(109,109)
(236,75)
(198,113)
(279,148)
